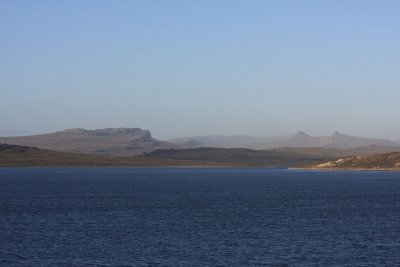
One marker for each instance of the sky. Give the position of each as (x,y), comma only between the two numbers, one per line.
(188,68)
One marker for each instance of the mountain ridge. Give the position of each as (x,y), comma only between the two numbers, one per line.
(135,141)
(299,139)
(112,141)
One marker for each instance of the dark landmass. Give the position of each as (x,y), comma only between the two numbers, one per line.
(110,141)
(274,158)
(23,156)
(13,155)
(124,147)
(382,161)
(241,156)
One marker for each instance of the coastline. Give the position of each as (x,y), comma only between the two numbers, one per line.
(346,169)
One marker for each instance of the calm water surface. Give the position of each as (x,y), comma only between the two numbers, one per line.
(198,217)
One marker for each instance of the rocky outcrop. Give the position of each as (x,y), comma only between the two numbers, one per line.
(385,161)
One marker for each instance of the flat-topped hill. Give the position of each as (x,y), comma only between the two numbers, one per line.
(110,141)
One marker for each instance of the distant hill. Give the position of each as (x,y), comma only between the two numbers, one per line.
(110,141)
(14,155)
(383,161)
(276,158)
(226,141)
(300,139)
(23,156)
(135,141)
(340,140)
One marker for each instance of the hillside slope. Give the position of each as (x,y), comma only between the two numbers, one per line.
(277,158)
(110,141)
(13,155)
(383,161)
(22,156)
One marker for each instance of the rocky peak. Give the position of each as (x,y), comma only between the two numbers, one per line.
(301,134)
(337,134)
(79,131)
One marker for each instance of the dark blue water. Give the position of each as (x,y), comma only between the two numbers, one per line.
(198,217)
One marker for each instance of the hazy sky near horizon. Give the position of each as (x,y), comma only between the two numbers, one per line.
(183,68)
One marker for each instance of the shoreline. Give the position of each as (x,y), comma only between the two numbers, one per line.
(205,167)
(347,169)
(154,166)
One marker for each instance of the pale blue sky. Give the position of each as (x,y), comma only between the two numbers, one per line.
(181,68)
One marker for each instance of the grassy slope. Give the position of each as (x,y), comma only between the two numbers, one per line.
(19,156)
(285,157)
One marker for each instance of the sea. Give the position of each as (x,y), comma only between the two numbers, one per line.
(198,217)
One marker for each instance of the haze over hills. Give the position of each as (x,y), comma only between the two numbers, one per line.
(110,141)
(226,141)
(300,139)
(135,141)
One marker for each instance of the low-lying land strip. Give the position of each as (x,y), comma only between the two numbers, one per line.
(22,156)
(312,158)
